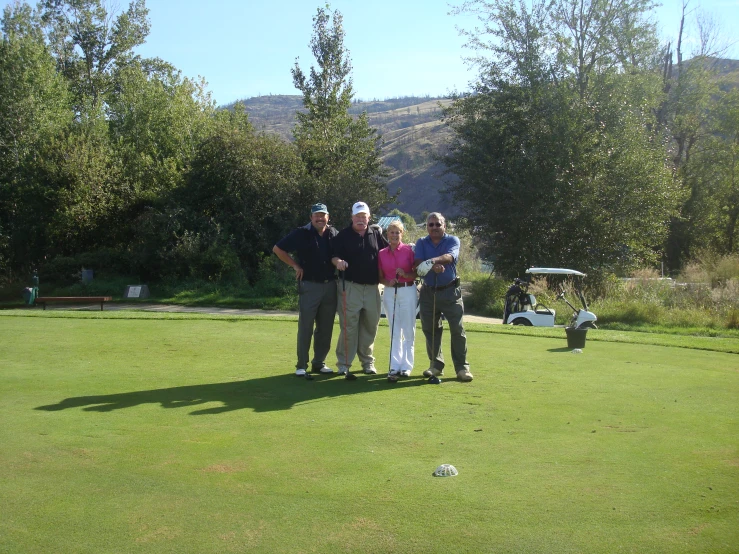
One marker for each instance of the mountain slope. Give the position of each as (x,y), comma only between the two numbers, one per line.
(413,135)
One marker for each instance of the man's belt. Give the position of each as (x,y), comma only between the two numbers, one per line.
(454,283)
(322,281)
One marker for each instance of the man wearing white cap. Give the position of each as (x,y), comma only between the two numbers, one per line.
(355,253)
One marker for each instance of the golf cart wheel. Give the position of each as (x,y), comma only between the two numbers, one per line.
(521,321)
(587,325)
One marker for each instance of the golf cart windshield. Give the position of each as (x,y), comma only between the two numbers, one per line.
(554,271)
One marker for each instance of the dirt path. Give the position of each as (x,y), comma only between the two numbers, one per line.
(118,306)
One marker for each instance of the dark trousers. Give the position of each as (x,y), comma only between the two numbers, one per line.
(317,311)
(448,302)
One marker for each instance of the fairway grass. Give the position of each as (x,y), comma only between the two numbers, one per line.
(191,434)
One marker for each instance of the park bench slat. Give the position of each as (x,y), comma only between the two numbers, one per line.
(78,299)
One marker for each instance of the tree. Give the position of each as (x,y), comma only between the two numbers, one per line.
(690,116)
(34,109)
(90,44)
(557,164)
(341,153)
(408,221)
(157,120)
(239,196)
(596,36)
(713,177)
(79,175)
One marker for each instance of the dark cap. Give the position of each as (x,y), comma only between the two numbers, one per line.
(319,208)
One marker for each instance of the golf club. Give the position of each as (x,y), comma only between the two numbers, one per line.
(434,379)
(392,378)
(349,375)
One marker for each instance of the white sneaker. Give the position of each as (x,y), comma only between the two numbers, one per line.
(405,373)
(433,372)
(300,372)
(370,370)
(342,370)
(393,375)
(325,370)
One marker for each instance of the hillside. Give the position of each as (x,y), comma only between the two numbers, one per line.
(412,132)
(413,135)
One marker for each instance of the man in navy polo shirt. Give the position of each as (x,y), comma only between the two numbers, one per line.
(441,294)
(316,286)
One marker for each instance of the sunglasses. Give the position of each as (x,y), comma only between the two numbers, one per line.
(434,224)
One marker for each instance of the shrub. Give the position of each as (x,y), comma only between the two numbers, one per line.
(485,296)
(727,269)
(64,270)
(106,262)
(469,263)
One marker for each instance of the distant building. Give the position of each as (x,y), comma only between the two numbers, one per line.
(386,220)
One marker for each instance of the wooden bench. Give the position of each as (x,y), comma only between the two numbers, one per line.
(76,299)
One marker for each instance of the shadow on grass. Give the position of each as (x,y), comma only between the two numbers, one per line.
(266,394)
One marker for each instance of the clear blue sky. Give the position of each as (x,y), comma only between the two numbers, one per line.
(245,48)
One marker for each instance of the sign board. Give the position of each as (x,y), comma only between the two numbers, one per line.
(136,291)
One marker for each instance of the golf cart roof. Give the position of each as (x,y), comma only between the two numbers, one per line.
(554,271)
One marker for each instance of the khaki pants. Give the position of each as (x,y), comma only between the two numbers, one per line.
(359,317)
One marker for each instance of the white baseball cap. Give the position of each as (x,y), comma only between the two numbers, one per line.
(360,207)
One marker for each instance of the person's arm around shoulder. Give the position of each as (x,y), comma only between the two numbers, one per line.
(381,240)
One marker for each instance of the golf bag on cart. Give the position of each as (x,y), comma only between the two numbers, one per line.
(517,299)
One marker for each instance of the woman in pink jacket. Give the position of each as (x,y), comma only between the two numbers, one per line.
(400,300)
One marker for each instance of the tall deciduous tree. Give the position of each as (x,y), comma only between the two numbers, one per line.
(90,43)
(596,36)
(556,162)
(34,108)
(238,196)
(691,116)
(341,153)
(712,175)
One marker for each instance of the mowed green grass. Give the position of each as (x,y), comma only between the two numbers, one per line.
(193,435)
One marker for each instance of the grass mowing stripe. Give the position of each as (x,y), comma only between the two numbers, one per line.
(193,435)
(699,342)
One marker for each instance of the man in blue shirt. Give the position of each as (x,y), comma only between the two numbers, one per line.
(441,294)
(316,286)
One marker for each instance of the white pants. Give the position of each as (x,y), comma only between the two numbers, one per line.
(403,328)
